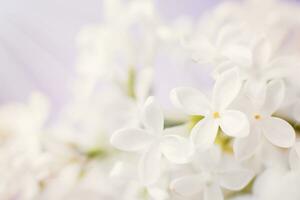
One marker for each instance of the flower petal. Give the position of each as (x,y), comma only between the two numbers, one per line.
(238,54)
(226,89)
(131,139)
(123,171)
(149,165)
(255,89)
(152,116)
(279,132)
(261,53)
(274,96)
(204,133)
(201,49)
(297,148)
(235,179)
(234,123)
(208,160)
(190,100)
(245,147)
(213,192)
(187,185)
(176,149)
(158,193)
(296,111)
(294,159)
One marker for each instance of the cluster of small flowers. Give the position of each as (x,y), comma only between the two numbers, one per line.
(113,140)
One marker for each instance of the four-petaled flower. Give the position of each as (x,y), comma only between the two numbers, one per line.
(277,131)
(212,173)
(152,142)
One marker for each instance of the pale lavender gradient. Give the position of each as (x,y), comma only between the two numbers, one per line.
(37,45)
(37,42)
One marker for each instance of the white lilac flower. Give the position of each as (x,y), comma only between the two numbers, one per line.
(213,172)
(227,33)
(104,51)
(23,163)
(132,189)
(260,66)
(153,142)
(265,66)
(217,44)
(216,112)
(71,183)
(276,130)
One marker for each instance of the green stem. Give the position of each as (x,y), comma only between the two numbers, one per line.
(131,82)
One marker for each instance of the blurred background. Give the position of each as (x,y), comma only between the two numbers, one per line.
(37,41)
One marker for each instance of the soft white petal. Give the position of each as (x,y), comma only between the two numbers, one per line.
(274,96)
(152,116)
(261,53)
(227,35)
(255,89)
(123,171)
(238,55)
(226,89)
(235,179)
(222,67)
(213,192)
(294,160)
(176,149)
(149,165)
(297,148)
(279,132)
(158,193)
(294,157)
(245,197)
(131,139)
(271,155)
(291,66)
(190,100)
(296,111)
(187,185)
(245,147)
(209,159)
(202,50)
(234,123)
(204,133)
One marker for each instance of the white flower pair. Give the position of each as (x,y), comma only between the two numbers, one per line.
(153,143)
(263,125)
(233,122)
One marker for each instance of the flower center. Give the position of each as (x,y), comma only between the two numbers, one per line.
(216,115)
(257,117)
